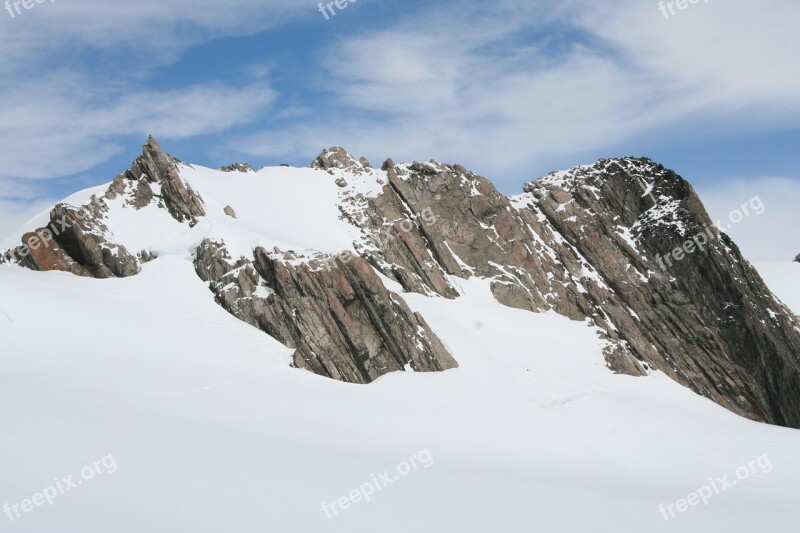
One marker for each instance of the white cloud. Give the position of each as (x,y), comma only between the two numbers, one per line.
(156,30)
(62,124)
(488,95)
(498,86)
(726,55)
(62,115)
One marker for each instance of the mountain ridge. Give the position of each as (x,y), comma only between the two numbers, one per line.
(583,242)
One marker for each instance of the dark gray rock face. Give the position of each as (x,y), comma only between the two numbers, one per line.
(237,167)
(797,259)
(337,314)
(590,243)
(155,166)
(703,314)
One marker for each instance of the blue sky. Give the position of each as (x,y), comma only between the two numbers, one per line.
(510,89)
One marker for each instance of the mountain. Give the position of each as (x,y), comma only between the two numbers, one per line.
(624,244)
(155,362)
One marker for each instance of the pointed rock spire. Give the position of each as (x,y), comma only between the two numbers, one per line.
(157,166)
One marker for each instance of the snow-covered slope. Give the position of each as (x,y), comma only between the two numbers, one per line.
(292,208)
(194,421)
(211,430)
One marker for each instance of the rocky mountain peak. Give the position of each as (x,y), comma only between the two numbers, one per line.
(595,243)
(77,238)
(337,157)
(155,175)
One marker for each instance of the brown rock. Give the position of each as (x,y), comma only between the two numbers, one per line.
(341,319)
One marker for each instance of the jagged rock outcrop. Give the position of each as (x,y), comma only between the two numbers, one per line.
(155,169)
(237,167)
(337,314)
(462,226)
(701,312)
(338,158)
(48,255)
(85,240)
(797,259)
(76,239)
(589,243)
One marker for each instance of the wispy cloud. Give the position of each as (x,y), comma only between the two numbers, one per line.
(499,86)
(536,80)
(148,32)
(61,125)
(730,56)
(73,78)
